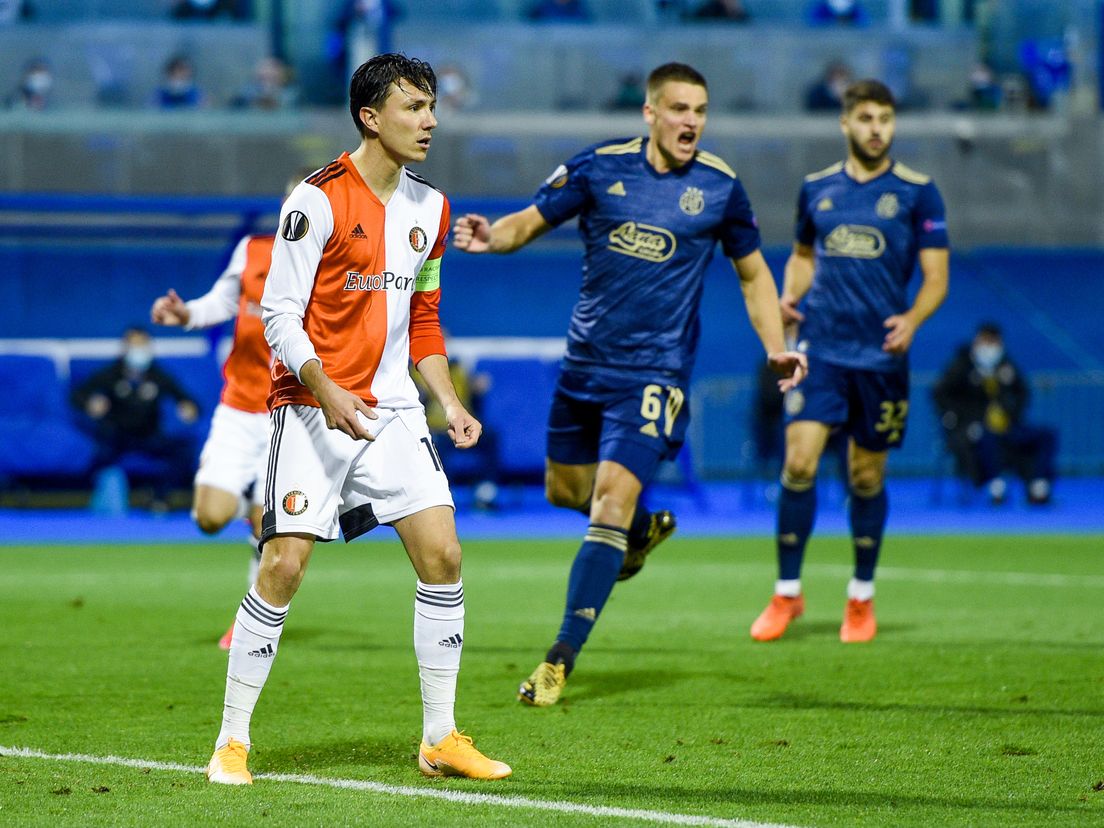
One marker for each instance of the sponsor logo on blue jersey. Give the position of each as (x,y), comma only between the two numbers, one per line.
(653,244)
(856,241)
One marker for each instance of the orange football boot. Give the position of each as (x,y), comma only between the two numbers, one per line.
(227,638)
(772,621)
(859,623)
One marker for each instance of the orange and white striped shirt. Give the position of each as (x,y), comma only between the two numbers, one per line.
(237,293)
(355,284)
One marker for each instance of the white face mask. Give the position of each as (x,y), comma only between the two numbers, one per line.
(138,359)
(38,82)
(987,356)
(841,6)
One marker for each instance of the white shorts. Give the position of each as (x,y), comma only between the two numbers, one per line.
(235,455)
(322,482)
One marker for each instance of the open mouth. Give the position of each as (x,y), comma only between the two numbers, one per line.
(687,139)
(424,142)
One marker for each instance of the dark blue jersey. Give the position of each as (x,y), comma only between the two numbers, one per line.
(866,239)
(649,238)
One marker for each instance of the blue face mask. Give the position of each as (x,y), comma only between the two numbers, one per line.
(138,359)
(987,357)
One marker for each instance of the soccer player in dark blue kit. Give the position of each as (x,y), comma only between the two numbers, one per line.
(862,225)
(651,211)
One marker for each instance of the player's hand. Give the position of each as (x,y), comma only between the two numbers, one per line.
(341,407)
(97,406)
(472,233)
(790,314)
(170,310)
(898,338)
(463,429)
(791,366)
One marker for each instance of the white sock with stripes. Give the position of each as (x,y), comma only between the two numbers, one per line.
(257,629)
(438,643)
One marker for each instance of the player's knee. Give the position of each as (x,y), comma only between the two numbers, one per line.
(209,522)
(443,567)
(866,482)
(561,493)
(283,567)
(800,469)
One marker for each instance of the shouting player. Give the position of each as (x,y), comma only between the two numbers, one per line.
(651,211)
(861,226)
(351,298)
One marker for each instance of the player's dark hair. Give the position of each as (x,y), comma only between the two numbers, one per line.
(989,329)
(372,80)
(674,72)
(867,90)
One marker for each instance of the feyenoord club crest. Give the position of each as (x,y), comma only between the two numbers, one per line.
(418,239)
(692,202)
(295,503)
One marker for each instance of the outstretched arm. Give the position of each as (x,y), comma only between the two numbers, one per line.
(473,233)
(765,314)
(463,428)
(216,306)
(902,327)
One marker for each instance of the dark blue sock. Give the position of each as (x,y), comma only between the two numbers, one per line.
(593,575)
(868,520)
(641,523)
(796,515)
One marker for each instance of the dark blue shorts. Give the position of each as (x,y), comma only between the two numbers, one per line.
(870,406)
(599,417)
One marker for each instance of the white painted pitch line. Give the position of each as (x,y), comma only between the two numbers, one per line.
(964,576)
(462,797)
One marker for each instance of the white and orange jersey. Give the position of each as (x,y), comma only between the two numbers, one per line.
(355,284)
(237,293)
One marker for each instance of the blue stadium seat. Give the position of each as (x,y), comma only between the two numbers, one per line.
(39,438)
(516,408)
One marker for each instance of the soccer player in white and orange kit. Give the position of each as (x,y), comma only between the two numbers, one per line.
(230,480)
(351,299)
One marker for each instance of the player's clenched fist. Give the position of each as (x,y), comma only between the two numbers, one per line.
(472,233)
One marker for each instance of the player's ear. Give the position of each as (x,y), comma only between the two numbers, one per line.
(370,118)
(649,114)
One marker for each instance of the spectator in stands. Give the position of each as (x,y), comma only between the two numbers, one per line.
(732,10)
(211,9)
(559,11)
(478,465)
(826,95)
(843,12)
(362,29)
(630,94)
(124,402)
(270,88)
(178,89)
(454,90)
(35,87)
(982,398)
(12,11)
(985,89)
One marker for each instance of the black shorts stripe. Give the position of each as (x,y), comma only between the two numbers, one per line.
(278,416)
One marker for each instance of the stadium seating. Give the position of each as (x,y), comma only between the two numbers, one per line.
(516,408)
(40,440)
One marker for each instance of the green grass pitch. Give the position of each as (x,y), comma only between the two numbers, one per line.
(981,702)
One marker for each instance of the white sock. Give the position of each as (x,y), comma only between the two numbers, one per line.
(438,642)
(254,559)
(860,590)
(790,588)
(257,629)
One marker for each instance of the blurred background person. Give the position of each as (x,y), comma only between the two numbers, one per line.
(838,12)
(178,89)
(123,401)
(211,9)
(826,95)
(35,88)
(271,87)
(454,90)
(559,11)
(982,398)
(732,10)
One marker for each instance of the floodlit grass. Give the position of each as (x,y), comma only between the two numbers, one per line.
(981,702)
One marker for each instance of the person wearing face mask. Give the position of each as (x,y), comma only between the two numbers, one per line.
(982,398)
(35,87)
(123,403)
(178,89)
